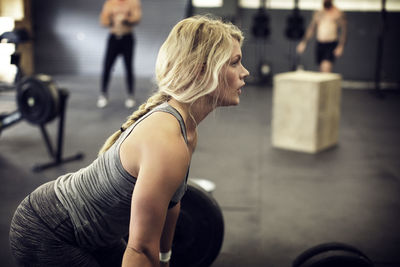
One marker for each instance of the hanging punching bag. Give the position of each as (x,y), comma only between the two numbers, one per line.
(295,24)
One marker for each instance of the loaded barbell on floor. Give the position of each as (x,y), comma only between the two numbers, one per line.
(199,231)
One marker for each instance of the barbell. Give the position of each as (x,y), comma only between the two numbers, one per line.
(199,231)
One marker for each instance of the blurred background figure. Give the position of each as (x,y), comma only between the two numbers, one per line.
(330,27)
(120,16)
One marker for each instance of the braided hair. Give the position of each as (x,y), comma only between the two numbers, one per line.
(152,102)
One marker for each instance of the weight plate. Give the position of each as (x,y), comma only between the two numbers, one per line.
(199,232)
(37,99)
(332,255)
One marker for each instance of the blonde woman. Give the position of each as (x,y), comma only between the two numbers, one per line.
(135,185)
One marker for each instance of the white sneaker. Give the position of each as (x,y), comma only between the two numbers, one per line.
(102,101)
(130,103)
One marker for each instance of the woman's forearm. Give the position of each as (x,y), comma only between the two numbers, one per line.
(169,228)
(134,258)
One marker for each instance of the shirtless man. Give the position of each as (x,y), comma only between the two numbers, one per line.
(326,23)
(120,16)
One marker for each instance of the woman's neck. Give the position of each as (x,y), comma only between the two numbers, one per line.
(192,114)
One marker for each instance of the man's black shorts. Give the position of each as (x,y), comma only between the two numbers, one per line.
(325,51)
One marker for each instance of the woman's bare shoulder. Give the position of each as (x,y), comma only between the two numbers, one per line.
(157,139)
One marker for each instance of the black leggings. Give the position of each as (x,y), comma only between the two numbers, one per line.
(117,45)
(42,234)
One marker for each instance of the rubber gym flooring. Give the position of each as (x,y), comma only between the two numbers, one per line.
(276,203)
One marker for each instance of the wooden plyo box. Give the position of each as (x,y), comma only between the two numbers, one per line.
(306,110)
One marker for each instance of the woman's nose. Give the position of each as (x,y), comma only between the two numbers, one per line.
(245,73)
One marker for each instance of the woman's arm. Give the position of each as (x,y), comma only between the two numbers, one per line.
(163,161)
(169,230)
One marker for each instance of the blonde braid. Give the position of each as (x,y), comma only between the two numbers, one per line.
(151,103)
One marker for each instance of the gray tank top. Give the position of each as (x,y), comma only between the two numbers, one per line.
(98,197)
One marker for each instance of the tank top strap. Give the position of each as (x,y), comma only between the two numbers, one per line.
(164,107)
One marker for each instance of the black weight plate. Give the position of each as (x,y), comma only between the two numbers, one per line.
(199,232)
(37,99)
(331,255)
(338,259)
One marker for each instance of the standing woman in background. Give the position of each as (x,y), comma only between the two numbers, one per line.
(120,16)
(136,183)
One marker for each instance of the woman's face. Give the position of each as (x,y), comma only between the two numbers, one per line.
(232,79)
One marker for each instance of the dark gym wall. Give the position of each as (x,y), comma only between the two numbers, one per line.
(69,39)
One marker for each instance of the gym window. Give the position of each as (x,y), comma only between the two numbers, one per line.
(349,5)
(208,3)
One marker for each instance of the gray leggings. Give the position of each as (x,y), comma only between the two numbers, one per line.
(42,234)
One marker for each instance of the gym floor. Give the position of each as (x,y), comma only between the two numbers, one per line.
(276,203)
